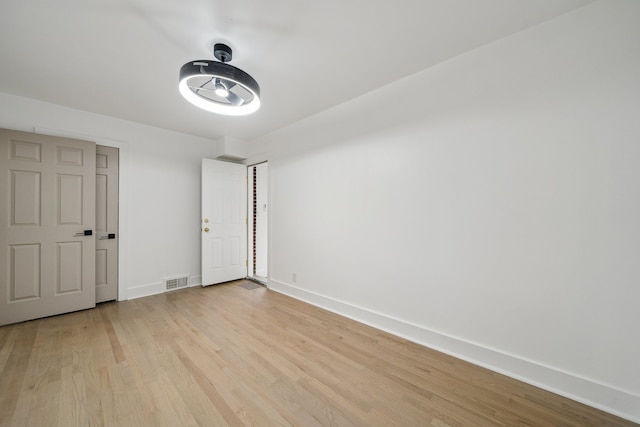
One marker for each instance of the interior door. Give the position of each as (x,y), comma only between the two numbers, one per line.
(106,223)
(224,221)
(47,215)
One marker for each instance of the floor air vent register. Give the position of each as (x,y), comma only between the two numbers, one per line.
(174,283)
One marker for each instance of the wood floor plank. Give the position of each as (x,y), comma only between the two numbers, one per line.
(226,355)
(15,370)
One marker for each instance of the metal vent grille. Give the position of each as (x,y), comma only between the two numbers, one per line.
(176,283)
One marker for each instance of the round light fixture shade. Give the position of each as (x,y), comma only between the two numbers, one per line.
(219,87)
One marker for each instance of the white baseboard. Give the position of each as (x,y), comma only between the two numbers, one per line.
(607,398)
(158,287)
(145,290)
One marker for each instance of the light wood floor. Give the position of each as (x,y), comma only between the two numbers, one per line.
(226,355)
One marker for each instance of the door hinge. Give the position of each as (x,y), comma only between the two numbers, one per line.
(246,221)
(246,263)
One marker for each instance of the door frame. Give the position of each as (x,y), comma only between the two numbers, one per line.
(123,208)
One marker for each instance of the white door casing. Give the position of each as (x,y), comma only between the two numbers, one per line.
(224,221)
(47,260)
(106,223)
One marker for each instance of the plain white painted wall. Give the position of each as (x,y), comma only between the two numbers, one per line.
(493,199)
(160,221)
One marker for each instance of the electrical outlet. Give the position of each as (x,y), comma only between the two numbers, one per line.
(294,277)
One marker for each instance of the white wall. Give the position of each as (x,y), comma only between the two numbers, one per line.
(160,188)
(488,206)
(262,219)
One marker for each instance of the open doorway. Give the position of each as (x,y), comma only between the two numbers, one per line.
(258,180)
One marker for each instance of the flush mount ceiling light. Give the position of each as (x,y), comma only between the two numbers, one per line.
(219,87)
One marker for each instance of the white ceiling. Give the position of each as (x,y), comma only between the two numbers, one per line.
(121,57)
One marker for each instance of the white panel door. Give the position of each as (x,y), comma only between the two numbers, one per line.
(106,223)
(47,215)
(224,221)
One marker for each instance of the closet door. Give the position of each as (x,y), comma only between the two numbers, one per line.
(106,223)
(47,216)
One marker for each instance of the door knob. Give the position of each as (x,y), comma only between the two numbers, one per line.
(206,229)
